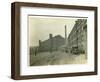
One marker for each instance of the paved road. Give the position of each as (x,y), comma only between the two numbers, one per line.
(56,58)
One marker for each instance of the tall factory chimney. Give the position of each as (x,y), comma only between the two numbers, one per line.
(65,35)
(40,47)
(51,42)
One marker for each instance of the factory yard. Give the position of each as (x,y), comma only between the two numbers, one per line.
(56,58)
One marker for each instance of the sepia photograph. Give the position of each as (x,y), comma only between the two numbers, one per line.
(56,40)
(53,40)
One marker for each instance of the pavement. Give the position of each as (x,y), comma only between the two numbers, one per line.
(57,58)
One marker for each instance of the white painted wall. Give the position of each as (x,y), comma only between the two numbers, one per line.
(5,40)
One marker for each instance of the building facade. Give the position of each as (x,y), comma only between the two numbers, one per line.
(51,44)
(78,36)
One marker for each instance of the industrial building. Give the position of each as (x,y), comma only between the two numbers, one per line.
(51,44)
(78,37)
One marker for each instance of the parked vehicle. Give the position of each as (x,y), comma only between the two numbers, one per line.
(75,50)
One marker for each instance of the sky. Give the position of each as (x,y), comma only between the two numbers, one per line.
(41,26)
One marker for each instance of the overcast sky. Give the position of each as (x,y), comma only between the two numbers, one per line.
(40,27)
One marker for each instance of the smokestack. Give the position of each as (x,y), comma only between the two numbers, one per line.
(51,42)
(40,45)
(65,35)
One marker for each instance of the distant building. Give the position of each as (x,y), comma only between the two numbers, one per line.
(78,36)
(51,44)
